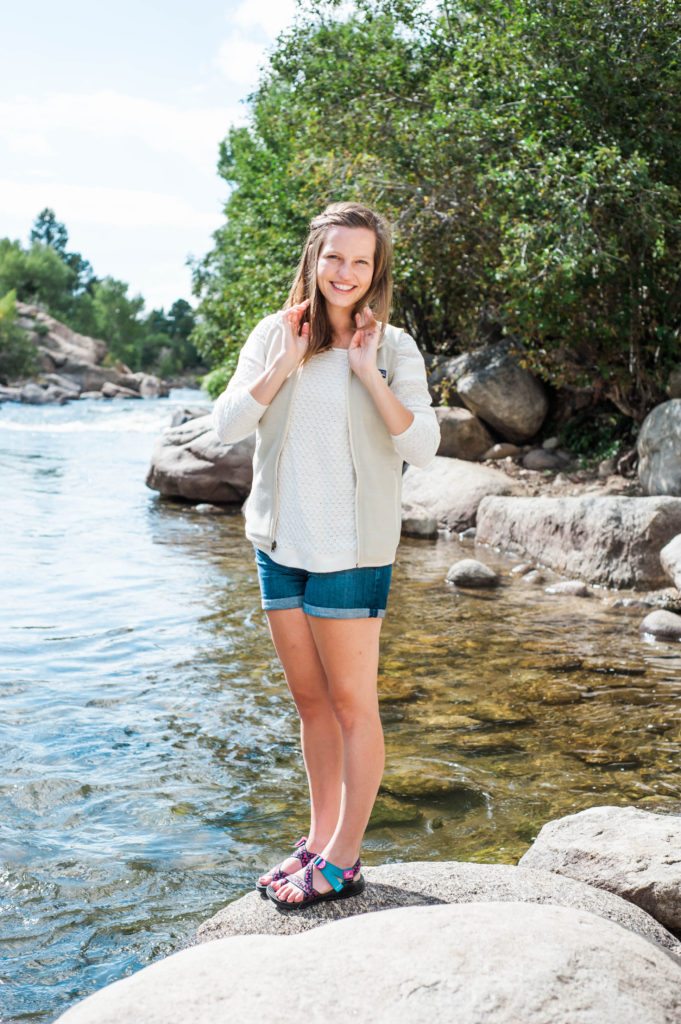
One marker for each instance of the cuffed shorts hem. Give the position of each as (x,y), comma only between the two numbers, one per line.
(344,613)
(270,603)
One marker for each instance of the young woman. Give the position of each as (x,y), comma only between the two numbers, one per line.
(338,399)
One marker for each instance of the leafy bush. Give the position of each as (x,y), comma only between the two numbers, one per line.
(527,154)
(18,357)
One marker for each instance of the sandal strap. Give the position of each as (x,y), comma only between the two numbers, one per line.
(335,875)
(301,852)
(305,883)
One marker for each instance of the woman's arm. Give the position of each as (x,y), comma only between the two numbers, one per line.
(238,410)
(406,405)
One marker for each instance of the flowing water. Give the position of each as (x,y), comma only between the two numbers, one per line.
(149,750)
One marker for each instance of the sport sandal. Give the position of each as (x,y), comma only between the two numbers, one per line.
(342,880)
(300,851)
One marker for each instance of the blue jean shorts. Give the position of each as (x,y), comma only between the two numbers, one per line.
(344,594)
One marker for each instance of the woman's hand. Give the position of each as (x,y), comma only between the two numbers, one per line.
(364,344)
(295,338)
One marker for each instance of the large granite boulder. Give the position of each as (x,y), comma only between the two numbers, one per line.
(670,560)
(450,490)
(612,540)
(493,385)
(659,449)
(189,461)
(498,963)
(421,883)
(462,435)
(625,850)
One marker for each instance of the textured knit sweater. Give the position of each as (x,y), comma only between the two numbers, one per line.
(316,477)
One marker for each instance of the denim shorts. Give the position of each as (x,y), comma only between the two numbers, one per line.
(343,594)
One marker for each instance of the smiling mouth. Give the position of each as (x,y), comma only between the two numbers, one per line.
(344,289)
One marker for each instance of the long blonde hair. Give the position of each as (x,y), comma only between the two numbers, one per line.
(379,296)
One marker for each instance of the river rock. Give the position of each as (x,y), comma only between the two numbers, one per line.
(189,461)
(416,522)
(659,449)
(670,560)
(497,389)
(111,390)
(61,380)
(574,587)
(615,540)
(488,962)
(541,458)
(450,490)
(469,572)
(633,853)
(463,435)
(33,394)
(663,624)
(502,450)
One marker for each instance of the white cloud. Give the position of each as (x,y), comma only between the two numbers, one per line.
(27,123)
(239,58)
(96,205)
(271,16)
(254,26)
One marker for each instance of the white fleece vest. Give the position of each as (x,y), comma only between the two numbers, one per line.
(378,466)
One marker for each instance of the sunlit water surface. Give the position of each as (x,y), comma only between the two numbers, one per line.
(149,750)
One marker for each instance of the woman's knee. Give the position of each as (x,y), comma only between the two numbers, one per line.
(311,696)
(353,710)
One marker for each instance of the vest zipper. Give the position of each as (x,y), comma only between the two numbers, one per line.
(352,452)
(273,545)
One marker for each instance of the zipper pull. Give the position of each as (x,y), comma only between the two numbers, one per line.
(274,544)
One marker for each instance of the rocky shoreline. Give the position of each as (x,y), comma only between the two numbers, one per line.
(585,927)
(74,366)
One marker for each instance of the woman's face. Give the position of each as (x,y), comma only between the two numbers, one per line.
(345,267)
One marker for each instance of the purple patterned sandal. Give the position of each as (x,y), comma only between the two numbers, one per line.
(300,851)
(342,881)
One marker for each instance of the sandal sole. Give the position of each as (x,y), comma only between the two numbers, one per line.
(355,889)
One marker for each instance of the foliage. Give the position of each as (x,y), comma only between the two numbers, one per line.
(527,154)
(17,354)
(63,284)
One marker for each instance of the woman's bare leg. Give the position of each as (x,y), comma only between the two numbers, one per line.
(348,650)
(320,733)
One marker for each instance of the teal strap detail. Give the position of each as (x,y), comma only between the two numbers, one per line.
(332,873)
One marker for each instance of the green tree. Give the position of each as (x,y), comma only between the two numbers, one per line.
(527,154)
(17,353)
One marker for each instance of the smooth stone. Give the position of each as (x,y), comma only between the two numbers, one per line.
(462,434)
(540,458)
(663,624)
(502,450)
(469,572)
(189,461)
(670,560)
(659,449)
(451,490)
(631,852)
(612,540)
(574,587)
(500,962)
(416,522)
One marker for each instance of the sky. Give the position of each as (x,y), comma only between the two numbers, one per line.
(111,115)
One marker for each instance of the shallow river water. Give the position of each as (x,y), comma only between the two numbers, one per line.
(149,751)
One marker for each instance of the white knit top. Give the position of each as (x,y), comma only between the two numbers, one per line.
(316,527)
